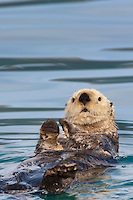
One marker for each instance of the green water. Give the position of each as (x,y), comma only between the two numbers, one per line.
(50,49)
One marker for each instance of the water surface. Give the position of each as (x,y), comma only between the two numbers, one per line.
(50,49)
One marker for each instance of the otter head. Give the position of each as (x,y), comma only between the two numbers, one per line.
(89,107)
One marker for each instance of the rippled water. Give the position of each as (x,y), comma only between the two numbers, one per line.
(50,49)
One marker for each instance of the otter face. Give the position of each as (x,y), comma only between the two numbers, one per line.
(88,106)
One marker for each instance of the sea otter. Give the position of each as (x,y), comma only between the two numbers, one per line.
(89,146)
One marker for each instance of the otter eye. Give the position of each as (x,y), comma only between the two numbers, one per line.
(99,99)
(46,136)
(73,100)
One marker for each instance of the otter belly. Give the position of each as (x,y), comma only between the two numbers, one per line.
(54,171)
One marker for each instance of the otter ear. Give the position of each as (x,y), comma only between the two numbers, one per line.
(111,104)
(68,128)
(112,109)
(73,99)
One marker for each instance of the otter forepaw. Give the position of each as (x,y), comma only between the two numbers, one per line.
(49,133)
(68,128)
(50,127)
(58,178)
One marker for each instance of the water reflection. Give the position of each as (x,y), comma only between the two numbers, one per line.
(8,109)
(119,49)
(32,2)
(102,80)
(27,64)
(59,197)
(125,125)
(28,121)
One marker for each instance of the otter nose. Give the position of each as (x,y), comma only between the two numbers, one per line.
(84,98)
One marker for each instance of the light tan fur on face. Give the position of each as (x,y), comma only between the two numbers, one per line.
(99,112)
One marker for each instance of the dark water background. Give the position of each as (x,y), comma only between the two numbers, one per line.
(48,50)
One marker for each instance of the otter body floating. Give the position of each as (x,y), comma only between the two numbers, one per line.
(87,148)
